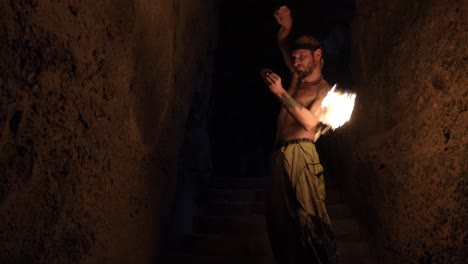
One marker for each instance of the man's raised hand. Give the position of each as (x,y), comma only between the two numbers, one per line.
(284,18)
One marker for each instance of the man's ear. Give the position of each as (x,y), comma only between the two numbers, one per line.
(318,53)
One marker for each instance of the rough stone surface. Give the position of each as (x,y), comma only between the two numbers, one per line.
(93,102)
(406,146)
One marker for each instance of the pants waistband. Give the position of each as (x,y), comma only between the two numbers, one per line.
(292,141)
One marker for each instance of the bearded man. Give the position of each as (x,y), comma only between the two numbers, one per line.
(298,223)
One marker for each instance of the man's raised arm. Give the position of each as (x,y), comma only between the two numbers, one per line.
(284,19)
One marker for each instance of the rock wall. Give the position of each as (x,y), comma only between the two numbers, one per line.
(93,102)
(406,146)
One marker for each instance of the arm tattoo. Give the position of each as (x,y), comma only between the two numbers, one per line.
(289,102)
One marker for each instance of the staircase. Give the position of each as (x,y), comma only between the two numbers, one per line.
(233,229)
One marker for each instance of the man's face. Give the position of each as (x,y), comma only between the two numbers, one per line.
(304,62)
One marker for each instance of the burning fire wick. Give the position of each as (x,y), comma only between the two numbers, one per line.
(337,107)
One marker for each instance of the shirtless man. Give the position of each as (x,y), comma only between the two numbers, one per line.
(298,223)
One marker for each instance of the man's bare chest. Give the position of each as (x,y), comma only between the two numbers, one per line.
(305,97)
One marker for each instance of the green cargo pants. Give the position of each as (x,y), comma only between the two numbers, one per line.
(298,224)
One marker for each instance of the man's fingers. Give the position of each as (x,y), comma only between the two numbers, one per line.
(284,10)
(269,81)
(276,15)
(273,76)
(269,76)
(265,72)
(280,13)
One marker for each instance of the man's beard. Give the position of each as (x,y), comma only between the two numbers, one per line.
(303,74)
(308,70)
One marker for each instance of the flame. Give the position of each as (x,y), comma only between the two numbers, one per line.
(338,107)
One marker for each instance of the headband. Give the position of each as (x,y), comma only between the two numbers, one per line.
(308,46)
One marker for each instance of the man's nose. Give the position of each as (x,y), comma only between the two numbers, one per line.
(296,62)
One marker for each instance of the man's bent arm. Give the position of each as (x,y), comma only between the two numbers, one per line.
(316,106)
(304,116)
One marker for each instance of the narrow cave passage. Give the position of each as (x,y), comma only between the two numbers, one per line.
(383,160)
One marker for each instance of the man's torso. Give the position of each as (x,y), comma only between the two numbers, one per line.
(287,127)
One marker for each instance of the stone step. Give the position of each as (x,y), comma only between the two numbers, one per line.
(333,196)
(178,258)
(256,194)
(197,259)
(226,245)
(349,248)
(235,229)
(346,228)
(338,211)
(236,208)
(236,195)
(239,183)
(203,224)
(357,260)
(210,248)
(242,208)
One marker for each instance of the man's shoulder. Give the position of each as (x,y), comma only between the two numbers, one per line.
(324,88)
(325,85)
